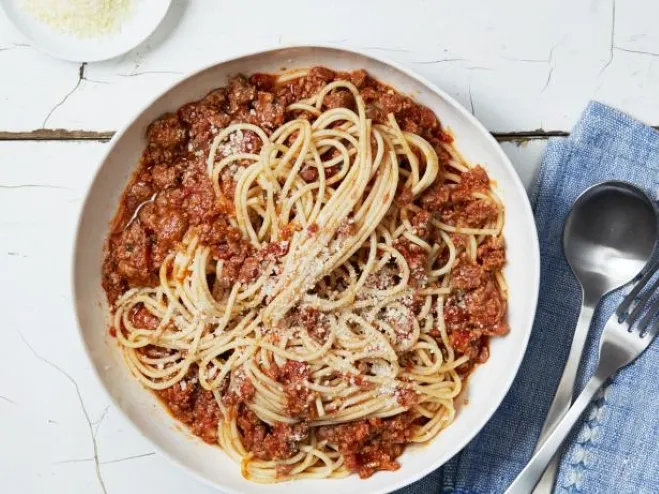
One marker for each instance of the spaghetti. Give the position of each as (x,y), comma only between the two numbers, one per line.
(367,283)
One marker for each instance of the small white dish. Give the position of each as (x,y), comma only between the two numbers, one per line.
(145,16)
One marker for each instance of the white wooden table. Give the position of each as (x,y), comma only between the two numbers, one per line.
(525,69)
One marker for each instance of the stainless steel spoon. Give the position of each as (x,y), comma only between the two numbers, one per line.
(608,239)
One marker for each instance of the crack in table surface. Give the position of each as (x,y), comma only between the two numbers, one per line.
(93,135)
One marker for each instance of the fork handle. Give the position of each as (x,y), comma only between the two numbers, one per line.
(563,396)
(529,476)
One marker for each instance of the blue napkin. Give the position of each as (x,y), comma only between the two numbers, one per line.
(615,447)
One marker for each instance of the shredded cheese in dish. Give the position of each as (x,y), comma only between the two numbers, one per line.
(81,18)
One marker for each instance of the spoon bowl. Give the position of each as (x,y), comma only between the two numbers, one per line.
(609,236)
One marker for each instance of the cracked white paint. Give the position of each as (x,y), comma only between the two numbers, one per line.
(81,78)
(529,64)
(92,426)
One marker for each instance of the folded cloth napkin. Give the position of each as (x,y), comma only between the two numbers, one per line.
(615,446)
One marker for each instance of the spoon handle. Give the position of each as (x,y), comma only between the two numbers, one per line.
(563,397)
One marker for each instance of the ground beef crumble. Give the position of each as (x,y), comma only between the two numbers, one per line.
(371,445)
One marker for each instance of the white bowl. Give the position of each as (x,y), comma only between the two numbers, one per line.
(488,384)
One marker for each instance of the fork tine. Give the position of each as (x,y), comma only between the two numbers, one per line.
(641,303)
(652,332)
(629,299)
(648,317)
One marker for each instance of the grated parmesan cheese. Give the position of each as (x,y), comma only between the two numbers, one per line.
(234,145)
(389,388)
(297,436)
(381,369)
(81,18)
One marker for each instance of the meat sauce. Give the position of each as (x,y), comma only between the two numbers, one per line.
(372,444)
(171,194)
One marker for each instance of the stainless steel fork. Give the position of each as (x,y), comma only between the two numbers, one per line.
(627,333)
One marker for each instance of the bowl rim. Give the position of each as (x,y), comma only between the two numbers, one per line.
(533,255)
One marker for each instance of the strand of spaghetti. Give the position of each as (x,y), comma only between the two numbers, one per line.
(303,107)
(465,230)
(210,163)
(457,161)
(431,161)
(310,356)
(382,195)
(412,159)
(217,169)
(292,75)
(304,135)
(451,257)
